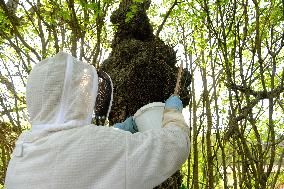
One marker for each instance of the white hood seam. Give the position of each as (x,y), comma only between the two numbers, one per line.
(66,90)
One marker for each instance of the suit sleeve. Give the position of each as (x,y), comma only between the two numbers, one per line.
(155,155)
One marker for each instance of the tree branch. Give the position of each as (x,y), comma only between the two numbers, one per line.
(165,18)
(14,21)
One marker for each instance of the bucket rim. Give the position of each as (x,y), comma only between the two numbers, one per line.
(147,107)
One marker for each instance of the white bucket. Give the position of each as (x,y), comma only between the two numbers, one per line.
(149,116)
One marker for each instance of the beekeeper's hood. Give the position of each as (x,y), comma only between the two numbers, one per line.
(61,93)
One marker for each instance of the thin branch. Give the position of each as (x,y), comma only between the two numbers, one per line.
(14,21)
(165,18)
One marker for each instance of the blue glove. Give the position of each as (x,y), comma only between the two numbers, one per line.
(174,103)
(127,125)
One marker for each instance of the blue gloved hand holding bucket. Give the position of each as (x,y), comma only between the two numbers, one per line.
(127,125)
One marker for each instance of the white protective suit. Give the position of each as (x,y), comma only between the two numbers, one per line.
(64,151)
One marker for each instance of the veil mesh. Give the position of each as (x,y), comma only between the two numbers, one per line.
(61,92)
(104,98)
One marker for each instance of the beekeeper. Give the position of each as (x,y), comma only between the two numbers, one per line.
(64,150)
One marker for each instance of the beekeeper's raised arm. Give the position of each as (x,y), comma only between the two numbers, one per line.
(154,155)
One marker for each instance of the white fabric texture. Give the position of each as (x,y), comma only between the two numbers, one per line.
(67,152)
(61,93)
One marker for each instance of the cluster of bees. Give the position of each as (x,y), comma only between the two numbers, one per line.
(141,66)
(142,69)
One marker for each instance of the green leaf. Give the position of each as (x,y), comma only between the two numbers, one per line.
(138,1)
(129,15)
(65,14)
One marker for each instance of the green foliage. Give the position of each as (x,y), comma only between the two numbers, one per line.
(183,187)
(138,1)
(8,136)
(130,14)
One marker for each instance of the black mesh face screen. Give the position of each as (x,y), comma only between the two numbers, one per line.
(104,98)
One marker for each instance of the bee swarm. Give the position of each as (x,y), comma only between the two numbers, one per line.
(142,67)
